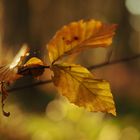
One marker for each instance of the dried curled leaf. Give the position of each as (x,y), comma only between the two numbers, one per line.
(8,74)
(4,96)
(78,36)
(79,86)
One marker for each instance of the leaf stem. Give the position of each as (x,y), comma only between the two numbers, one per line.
(47,67)
(29,85)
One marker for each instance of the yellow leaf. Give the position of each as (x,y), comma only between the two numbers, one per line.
(34,61)
(33,67)
(8,73)
(79,86)
(78,36)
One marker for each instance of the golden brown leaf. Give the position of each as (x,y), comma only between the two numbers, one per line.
(79,86)
(4,96)
(8,73)
(78,36)
(33,67)
(34,61)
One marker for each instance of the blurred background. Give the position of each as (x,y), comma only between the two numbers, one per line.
(38,113)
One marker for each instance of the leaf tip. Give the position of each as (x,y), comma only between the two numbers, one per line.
(113,112)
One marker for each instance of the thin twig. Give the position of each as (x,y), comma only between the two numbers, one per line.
(29,85)
(90,68)
(114,62)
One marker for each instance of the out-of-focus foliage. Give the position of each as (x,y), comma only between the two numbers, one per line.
(64,121)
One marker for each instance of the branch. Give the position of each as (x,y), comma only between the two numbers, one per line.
(114,62)
(29,85)
(90,68)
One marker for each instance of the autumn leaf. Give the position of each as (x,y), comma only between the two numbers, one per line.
(79,86)
(74,81)
(33,67)
(34,61)
(8,74)
(4,96)
(78,36)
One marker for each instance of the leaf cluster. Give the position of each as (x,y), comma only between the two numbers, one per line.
(72,81)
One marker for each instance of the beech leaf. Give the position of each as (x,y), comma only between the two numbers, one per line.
(79,86)
(78,36)
(34,67)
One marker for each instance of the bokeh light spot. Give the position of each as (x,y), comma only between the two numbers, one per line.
(56,110)
(109,132)
(133,6)
(130,133)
